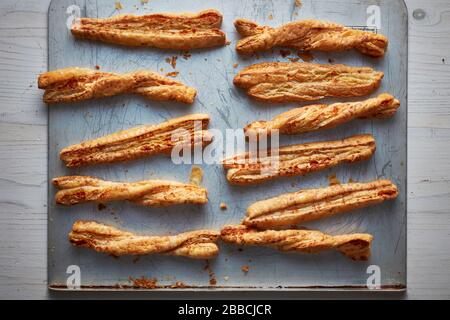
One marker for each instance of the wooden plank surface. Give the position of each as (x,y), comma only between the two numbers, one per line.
(23,155)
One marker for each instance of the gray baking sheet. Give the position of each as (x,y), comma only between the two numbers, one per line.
(211,71)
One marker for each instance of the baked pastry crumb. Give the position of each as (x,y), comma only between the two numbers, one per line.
(333,180)
(118,5)
(196,176)
(172,61)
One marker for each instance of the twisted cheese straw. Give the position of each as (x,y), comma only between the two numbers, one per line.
(246,168)
(180,31)
(103,238)
(76,84)
(354,246)
(152,193)
(308,35)
(321,116)
(296,81)
(314,204)
(138,142)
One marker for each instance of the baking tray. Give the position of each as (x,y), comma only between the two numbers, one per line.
(211,71)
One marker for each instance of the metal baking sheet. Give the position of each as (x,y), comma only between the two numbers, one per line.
(211,71)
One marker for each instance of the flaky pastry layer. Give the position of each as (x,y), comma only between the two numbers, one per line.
(308,35)
(77,84)
(247,168)
(314,204)
(298,81)
(199,244)
(152,193)
(183,31)
(140,142)
(355,246)
(322,116)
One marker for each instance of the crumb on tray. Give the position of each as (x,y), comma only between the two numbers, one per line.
(186,55)
(144,283)
(306,56)
(285,53)
(196,176)
(172,74)
(178,284)
(333,180)
(172,61)
(118,5)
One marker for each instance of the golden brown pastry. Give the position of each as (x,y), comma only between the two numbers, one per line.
(298,81)
(246,168)
(355,246)
(308,35)
(314,204)
(152,193)
(139,142)
(322,116)
(199,244)
(76,84)
(180,31)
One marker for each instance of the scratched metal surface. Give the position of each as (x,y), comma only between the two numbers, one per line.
(211,71)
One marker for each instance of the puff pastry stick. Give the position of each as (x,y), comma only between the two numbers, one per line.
(77,84)
(182,31)
(314,204)
(355,246)
(321,116)
(199,244)
(308,35)
(298,81)
(139,142)
(151,193)
(246,168)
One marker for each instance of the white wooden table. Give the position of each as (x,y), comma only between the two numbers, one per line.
(23,157)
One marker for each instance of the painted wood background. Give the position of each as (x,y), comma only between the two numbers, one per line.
(23,156)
